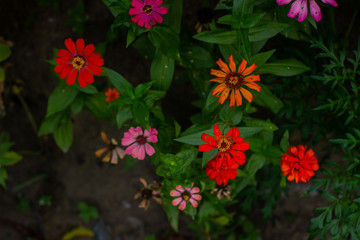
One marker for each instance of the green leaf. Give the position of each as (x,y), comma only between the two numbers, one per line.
(284,68)
(162,71)
(77,105)
(218,36)
(64,136)
(207,156)
(130,162)
(165,39)
(172,214)
(87,211)
(267,125)
(254,163)
(120,83)
(266,99)
(140,113)
(245,47)
(10,158)
(51,123)
(229,49)
(61,98)
(284,142)
(123,115)
(3,176)
(242,7)
(97,105)
(261,58)
(141,89)
(5,51)
(230,114)
(89,89)
(152,96)
(173,18)
(196,57)
(265,30)
(4,147)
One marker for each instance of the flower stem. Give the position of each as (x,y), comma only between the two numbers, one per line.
(351,23)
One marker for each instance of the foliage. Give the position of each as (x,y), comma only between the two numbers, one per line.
(87,212)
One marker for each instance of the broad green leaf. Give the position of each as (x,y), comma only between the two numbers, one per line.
(194,56)
(5,51)
(266,99)
(64,136)
(265,30)
(130,162)
(152,96)
(162,71)
(244,43)
(165,39)
(211,103)
(77,105)
(258,146)
(207,156)
(254,163)
(261,58)
(123,115)
(50,124)
(120,83)
(237,22)
(266,125)
(97,105)
(218,36)
(3,176)
(4,147)
(284,142)
(89,89)
(230,114)
(173,17)
(141,89)
(284,68)
(229,49)
(10,158)
(61,98)
(172,214)
(242,7)
(140,113)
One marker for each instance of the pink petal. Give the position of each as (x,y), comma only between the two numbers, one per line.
(152,139)
(315,10)
(298,7)
(182,205)
(120,152)
(153,131)
(147,23)
(283,2)
(187,189)
(156,3)
(129,149)
(161,10)
(141,152)
(196,197)
(179,188)
(195,190)
(175,193)
(157,17)
(114,158)
(136,19)
(127,141)
(134,11)
(331,2)
(149,149)
(136,131)
(193,202)
(176,201)
(137,3)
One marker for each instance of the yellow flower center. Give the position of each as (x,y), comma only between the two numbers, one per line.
(147,9)
(186,195)
(78,62)
(224,145)
(234,80)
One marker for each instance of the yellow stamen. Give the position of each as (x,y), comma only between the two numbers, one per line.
(147,9)
(234,80)
(78,62)
(186,197)
(224,145)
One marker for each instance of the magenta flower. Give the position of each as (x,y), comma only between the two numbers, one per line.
(300,8)
(184,195)
(146,11)
(138,142)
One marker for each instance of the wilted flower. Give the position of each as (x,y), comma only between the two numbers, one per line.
(111,94)
(184,195)
(222,191)
(299,164)
(114,151)
(147,11)
(78,58)
(138,142)
(204,17)
(150,191)
(232,82)
(300,7)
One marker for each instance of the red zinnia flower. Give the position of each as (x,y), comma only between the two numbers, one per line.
(78,58)
(221,169)
(299,164)
(112,94)
(231,144)
(147,11)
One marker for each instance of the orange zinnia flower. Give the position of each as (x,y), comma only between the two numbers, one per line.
(299,164)
(232,80)
(112,94)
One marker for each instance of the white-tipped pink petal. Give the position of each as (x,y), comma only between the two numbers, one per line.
(149,149)
(315,10)
(195,190)
(193,202)
(176,201)
(179,188)
(196,196)
(182,205)
(283,2)
(331,2)
(175,193)
(120,152)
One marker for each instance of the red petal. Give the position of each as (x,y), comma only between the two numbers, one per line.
(80,44)
(89,49)
(241,146)
(82,80)
(64,53)
(205,148)
(89,78)
(217,132)
(208,139)
(71,78)
(66,71)
(95,59)
(70,45)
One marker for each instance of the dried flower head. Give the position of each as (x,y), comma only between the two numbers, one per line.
(114,151)
(222,191)
(147,193)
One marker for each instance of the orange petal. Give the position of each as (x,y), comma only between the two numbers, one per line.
(107,157)
(238,98)
(217,73)
(232,64)
(252,78)
(223,66)
(99,152)
(249,70)
(219,80)
(246,94)
(224,95)
(104,138)
(219,89)
(242,66)
(253,86)
(232,99)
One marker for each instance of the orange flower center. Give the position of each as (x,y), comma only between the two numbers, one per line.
(147,9)
(186,195)
(234,80)
(78,62)
(224,145)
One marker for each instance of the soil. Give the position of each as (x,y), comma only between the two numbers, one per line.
(78,175)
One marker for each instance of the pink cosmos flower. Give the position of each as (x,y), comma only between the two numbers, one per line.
(299,7)
(146,11)
(184,195)
(138,142)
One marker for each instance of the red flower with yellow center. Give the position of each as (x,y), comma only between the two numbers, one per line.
(231,146)
(221,169)
(78,58)
(111,94)
(299,164)
(233,82)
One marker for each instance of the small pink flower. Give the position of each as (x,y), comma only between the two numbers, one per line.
(138,142)
(184,195)
(300,8)
(146,11)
